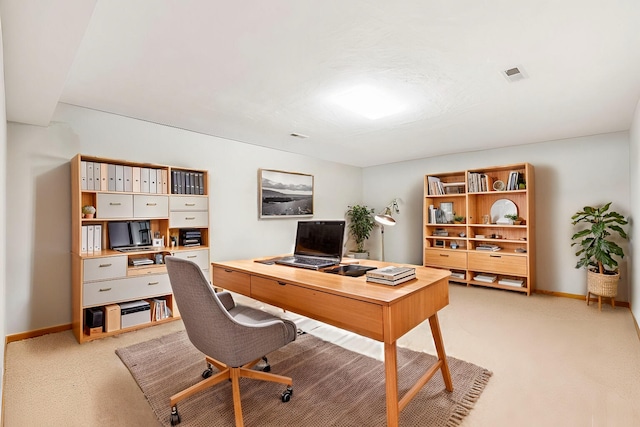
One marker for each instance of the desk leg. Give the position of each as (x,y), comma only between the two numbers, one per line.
(391,383)
(437,338)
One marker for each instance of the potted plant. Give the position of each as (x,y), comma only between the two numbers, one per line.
(458,219)
(360,225)
(88,211)
(514,218)
(597,251)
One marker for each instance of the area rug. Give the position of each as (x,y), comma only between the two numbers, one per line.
(332,386)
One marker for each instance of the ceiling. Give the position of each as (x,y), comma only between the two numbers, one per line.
(257,71)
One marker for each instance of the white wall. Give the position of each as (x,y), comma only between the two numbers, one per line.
(3,163)
(569,174)
(634,161)
(39,224)
(38,290)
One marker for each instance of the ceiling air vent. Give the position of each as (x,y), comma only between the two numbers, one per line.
(514,74)
(298,135)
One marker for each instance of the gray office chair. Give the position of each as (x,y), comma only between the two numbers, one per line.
(233,338)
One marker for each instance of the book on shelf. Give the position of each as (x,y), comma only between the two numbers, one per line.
(511,282)
(514,179)
(435,186)
(453,187)
(488,278)
(458,275)
(493,248)
(159,309)
(391,272)
(440,232)
(136,262)
(392,282)
(479,182)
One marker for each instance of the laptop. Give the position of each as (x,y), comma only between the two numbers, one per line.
(318,245)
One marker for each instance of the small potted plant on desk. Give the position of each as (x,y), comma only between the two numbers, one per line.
(360,225)
(597,250)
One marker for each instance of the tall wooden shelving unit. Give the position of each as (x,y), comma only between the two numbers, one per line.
(138,191)
(513,266)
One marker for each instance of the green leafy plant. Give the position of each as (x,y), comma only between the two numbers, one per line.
(597,251)
(360,224)
(88,209)
(458,218)
(513,217)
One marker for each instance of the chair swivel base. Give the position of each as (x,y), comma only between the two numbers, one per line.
(234,375)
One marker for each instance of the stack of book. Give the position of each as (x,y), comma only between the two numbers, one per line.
(488,278)
(458,275)
(511,282)
(391,275)
(488,247)
(440,232)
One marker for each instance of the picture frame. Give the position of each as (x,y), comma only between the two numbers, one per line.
(438,243)
(285,194)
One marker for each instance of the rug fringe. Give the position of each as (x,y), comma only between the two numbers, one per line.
(463,407)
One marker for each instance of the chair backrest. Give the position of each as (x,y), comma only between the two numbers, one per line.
(208,324)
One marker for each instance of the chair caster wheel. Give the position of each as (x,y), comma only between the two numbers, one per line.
(207,373)
(267,367)
(286,395)
(175,418)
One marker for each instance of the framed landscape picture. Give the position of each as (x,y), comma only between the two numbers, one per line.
(285,194)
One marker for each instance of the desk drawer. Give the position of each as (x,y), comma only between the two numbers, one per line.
(498,263)
(357,316)
(446,259)
(231,280)
(104,268)
(111,291)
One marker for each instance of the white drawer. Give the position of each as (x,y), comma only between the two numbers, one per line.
(189,219)
(150,206)
(200,257)
(118,290)
(188,203)
(114,206)
(104,268)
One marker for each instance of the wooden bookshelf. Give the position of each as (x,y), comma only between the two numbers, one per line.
(124,191)
(482,196)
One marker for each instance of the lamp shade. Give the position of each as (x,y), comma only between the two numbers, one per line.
(385,219)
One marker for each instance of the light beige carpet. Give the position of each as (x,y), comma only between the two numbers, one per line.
(332,386)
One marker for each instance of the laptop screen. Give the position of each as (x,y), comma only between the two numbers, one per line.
(320,238)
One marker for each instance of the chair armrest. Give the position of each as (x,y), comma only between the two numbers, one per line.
(226,299)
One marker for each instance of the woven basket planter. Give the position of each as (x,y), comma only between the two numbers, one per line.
(605,285)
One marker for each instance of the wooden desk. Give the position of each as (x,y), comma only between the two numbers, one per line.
(384,313)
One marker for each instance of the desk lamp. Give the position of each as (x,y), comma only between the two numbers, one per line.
(386,218)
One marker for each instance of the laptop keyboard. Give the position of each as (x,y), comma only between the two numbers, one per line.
(310,261)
